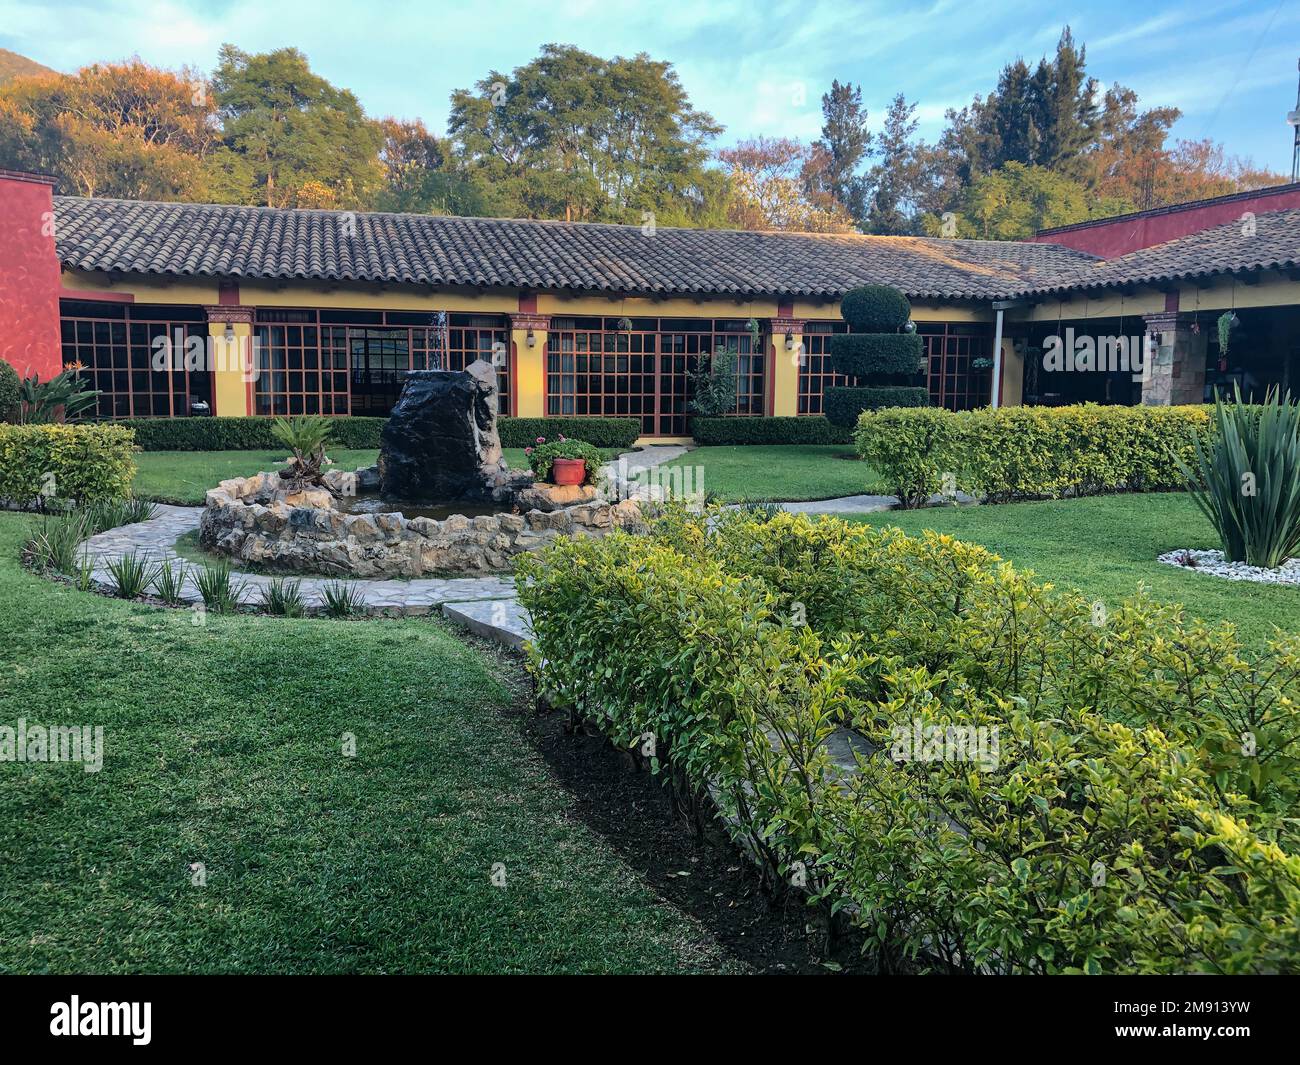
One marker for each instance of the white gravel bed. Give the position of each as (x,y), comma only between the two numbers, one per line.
(1212,564)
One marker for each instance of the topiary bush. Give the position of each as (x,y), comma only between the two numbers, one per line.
(875,309)
(880,359)
(844,404)
(81,463)
(1114,822)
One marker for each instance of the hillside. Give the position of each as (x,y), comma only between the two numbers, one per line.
(13,65)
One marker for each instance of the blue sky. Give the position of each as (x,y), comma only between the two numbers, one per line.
(757,67)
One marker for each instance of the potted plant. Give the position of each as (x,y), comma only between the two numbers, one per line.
(564,461)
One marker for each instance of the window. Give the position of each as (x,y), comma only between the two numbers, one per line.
(140,358)
(353,362)
(599,367)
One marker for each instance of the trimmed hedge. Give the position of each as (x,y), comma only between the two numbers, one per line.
(805,430)
(239,434)
(1117,826)
(875,309)
(864,354)
(844,404)
(1030,452)
(254,434)
(598,432)
(86,463)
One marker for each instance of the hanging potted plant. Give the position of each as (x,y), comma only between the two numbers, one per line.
(1228,321)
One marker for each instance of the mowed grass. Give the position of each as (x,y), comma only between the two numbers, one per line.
(223,746)
(778,471)
(1106,545)
(185,476)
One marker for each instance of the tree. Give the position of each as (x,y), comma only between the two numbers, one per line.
(422,175)
(767,190)
(832,173)
(118,129)
(896,180)
(293,126)
(1015,201)
(571,135)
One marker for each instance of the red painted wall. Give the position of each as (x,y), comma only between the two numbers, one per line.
(29,275)
(1127,233)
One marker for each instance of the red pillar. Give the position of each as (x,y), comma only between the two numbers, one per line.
(29,275)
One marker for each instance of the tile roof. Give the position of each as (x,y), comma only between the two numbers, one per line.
(1228,248)
(225,241)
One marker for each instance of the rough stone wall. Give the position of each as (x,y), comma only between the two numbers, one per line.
(250,519)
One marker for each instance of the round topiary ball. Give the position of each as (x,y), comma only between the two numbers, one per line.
(875,309)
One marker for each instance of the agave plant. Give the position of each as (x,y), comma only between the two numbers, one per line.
(1247,480)
(305,436)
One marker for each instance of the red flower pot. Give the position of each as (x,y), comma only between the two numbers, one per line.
(568,471)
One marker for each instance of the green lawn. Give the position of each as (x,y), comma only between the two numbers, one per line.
(223,746)
(185,476)
(779,471)
(1106,545)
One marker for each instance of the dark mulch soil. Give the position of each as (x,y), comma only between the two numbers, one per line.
(705,877)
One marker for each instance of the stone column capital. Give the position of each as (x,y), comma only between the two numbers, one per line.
(539,322)
(231,315)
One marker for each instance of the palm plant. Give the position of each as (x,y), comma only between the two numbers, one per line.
(306,436)
(40,402)
(1247,480)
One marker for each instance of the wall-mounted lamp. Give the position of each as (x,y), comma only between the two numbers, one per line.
(532,339)
(789,340)
(230,331)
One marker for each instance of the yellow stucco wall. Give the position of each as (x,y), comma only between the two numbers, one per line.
(231,375)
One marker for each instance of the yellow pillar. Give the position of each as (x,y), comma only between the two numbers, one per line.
(1013,374)
(529,364)
(788,357)
(231,360)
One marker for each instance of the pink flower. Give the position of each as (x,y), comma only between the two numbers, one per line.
(562,438)
(541,440)
(528,451)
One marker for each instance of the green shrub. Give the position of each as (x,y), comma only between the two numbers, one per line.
(542,455)
(843,404)
(9,388)
(877,355)
(619,433)
(798,430)
(1121,824)
(1030,452)
(254,434)
(1247,478)
(55,545)
(218,588)
(875,309)
(283,598)
(86,463)
(169,581)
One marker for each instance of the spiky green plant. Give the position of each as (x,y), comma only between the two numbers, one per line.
(169,581)
(131,575)
(284,598)
(342,599)
(219,591)
(306,436)
(1247,478)
(53,545)
(64,395)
